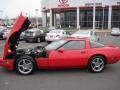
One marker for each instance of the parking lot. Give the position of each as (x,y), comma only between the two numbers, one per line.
(70,79)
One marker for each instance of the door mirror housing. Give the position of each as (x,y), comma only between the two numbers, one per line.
(61,50)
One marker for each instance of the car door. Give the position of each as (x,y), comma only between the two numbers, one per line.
(71,54)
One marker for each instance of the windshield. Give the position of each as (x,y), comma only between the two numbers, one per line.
(55,45)
(82,33)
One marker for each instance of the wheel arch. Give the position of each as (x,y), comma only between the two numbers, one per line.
(16,57)
(106,60)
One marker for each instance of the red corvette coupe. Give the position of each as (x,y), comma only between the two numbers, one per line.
(66,53)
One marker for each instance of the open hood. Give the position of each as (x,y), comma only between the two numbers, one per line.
(12,40)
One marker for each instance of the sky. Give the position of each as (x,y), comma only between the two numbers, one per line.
(13,8)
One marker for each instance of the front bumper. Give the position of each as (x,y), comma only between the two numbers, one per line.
(7,63)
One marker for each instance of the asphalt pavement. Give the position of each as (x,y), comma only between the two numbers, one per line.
(69,79)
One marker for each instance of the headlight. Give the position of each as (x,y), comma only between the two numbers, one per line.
(34,34)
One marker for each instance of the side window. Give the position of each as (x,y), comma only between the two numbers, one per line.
(96,45)
(74,45)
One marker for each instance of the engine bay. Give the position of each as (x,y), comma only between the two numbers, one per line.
(36,52)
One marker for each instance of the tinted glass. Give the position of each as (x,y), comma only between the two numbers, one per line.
(74,45)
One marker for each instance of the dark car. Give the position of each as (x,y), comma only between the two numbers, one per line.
(2,32)
(35,34)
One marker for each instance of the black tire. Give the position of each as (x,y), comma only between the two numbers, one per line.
(48,42)
(26,41)
(25,65)
(97,64)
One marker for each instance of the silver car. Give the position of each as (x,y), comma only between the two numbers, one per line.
(86,33)
(6,33)
(115,32)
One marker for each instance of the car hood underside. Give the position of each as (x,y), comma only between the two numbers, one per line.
(12,40)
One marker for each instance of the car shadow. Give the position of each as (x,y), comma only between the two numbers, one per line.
(108,69)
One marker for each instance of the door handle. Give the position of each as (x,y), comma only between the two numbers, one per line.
(83,52)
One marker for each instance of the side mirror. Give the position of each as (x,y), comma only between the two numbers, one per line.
(61,50)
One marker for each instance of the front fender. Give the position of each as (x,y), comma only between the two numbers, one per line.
(6,63)
(1,61)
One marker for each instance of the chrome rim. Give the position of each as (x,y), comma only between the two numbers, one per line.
(25,66)
(97,64)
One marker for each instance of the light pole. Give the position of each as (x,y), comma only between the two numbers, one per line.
(103,6)
(94,11)
(36,17)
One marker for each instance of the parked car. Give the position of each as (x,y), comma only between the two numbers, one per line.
(55,35)
(50,29)
(35,34)
(22,35)
(69,52)
(86,33)
(115,32)
(5,33)
(2,30)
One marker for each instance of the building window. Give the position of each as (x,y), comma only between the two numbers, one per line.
(69,18)
(116,17)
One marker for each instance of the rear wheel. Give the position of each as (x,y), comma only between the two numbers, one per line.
(25,65)
(96,64)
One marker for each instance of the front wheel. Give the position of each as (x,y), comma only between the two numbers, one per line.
(25,65)
(96,64)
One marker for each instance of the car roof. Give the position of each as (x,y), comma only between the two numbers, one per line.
(33,29)
(76,38)
(58,30)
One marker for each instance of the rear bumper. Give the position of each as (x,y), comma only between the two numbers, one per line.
(7,63)
(114,60)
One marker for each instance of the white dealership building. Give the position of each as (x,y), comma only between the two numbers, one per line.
(102,14)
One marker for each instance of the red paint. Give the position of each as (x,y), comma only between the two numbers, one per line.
(64,58)
(19,22)
(8,63)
